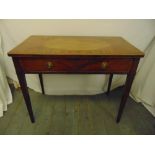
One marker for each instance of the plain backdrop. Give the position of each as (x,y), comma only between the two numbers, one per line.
(137,32)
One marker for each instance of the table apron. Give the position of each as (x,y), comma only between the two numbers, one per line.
(71,66)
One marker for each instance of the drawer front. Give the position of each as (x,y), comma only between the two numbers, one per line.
(31,65)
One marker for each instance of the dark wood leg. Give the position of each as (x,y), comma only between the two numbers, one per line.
(127,88)
(23,84)
(125,96)
(109,84)
(41,82)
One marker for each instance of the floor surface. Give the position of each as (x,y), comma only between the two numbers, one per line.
(76,115)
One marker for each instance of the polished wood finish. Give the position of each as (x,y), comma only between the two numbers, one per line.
(109,84)
(128,83)
(62,65)
(41,83)
(23,84)
(87,46)
(75,55)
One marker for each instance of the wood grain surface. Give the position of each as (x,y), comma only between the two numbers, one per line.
(35,65)
(75,46)
(74,55)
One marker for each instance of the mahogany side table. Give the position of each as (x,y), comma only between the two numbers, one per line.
(75,55)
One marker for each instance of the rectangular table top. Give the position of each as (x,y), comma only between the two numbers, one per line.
(75,46)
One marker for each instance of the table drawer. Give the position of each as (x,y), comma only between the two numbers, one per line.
(76,65)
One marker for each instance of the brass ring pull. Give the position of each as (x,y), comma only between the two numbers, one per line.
(104,65)
(49,65)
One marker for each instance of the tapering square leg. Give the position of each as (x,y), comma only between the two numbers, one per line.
(41,83)
(23,84)
(109,84)
(128,84)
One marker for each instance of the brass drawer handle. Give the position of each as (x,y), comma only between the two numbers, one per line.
(49,65)
(104,65)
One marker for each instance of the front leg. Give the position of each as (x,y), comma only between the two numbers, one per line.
(23,84)
(127,88)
